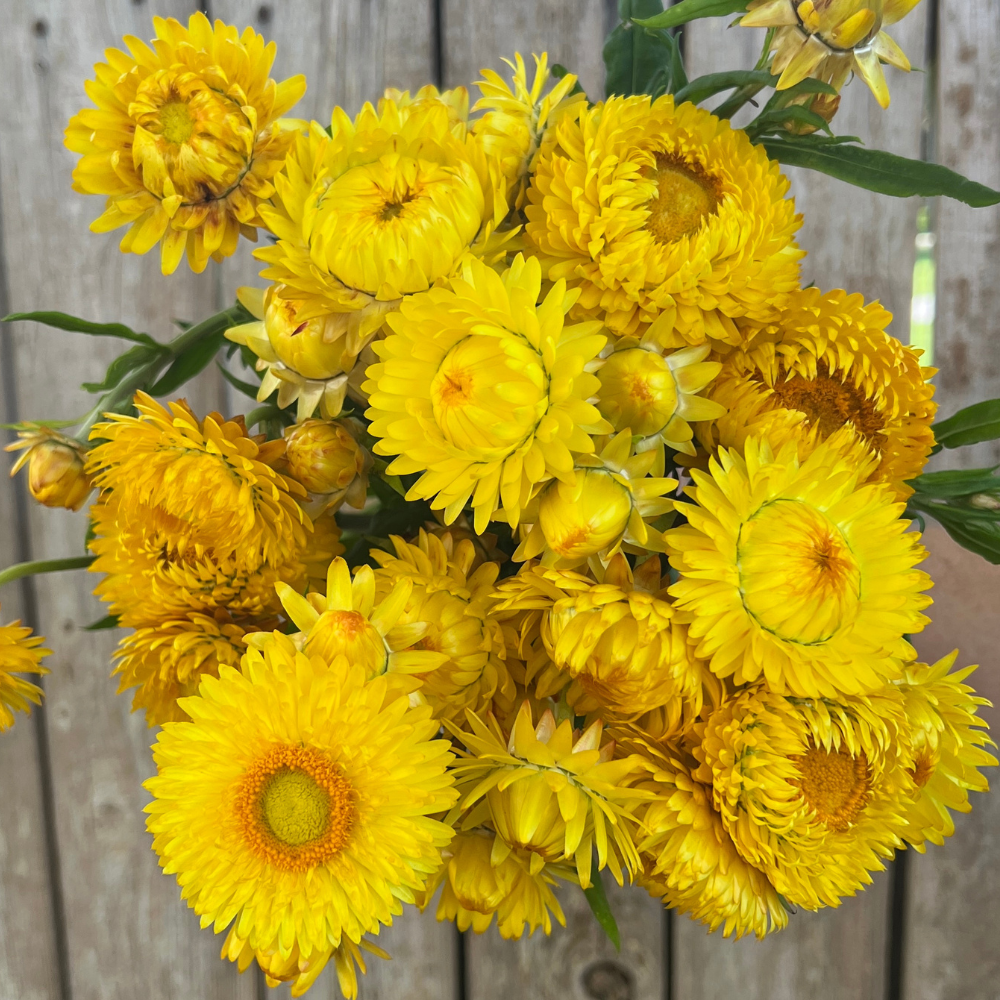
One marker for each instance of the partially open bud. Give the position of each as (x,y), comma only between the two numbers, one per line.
(582,518)
(325,457)
(314,347)
(824,105)
(56,476)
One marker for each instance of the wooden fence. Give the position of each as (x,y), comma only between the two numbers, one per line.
(84,911)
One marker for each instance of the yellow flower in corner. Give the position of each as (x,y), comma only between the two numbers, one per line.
(792,571)
(485,392)
(185,139)
(296,805)
(20,653)
(56,474)
(651,208)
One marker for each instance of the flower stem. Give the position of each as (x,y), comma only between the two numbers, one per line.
(18,570)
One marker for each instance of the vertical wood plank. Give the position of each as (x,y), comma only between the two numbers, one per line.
(128,934)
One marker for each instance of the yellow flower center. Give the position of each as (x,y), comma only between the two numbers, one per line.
(176,123)
(798,577)
(830,403)
(685,197)
(488,396)
(580,520)
(638,391)
(314,347)
(350,634)
(295,808)
(835,784)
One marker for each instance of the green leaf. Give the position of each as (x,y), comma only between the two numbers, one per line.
(692,10)
(979,422)
(777,119)
(245,387)
(108,621)
(601,908)
(189,363)
(876,170)
(971,532)
(634,56)
(703,87)
(134,358)
(63,321)
(956,483)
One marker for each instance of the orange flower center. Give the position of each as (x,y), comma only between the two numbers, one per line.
(835,783)
(295,808)
(685,197)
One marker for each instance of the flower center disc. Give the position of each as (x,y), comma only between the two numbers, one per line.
(685,197)
(295,808)
(835,784)
(798,577)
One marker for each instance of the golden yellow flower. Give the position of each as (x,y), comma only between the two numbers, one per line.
(947,740)
(827,363)
(650,208)
(296,806)
(792,571)
(455,100)
(605,506)
(56,476)
(689,859)
(325,457)
(185,139)
(379,208)
(831,39)
(475,887)
(484,391)
(516,117)
(346,621)
(813,791)
(453,601)
(550,791)
(167,661)
(20,653)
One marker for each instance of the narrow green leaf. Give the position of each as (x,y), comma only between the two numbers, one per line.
(132,359)
(692,10)
(601,908)
(979,422)
(703,87)
(777,119)
(956,482)
(108,621)
(634,56)
(876,170)
(63,321)
(189,363)
(974,534)
(245,387)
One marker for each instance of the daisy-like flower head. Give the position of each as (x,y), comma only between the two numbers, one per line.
(516,117)
(550,791)
(209,475)
(604,507)
(827,363)
(623,648)
(485,391)
(689,859)
(831,39)
(167,661)
(813,792)
(653,394)
(453,601)
(20,653)
(185,139)
(56,473)
(455,100)
(347,621)
(649,207)
(296,806)
(379,208)
(793,571)
(475,887)
(948,740)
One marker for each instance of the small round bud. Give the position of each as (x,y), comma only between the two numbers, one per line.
(581,519)
(312,347)
(325,458)
(984,501)
(56,472)
(638,391)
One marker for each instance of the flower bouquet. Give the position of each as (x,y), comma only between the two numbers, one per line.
(564,533)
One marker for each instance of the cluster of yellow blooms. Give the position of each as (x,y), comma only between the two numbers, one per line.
(581,326)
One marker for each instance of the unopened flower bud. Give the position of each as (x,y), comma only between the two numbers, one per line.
(315,348)
(585,517)
(824,105)
(325,458)
(56,474)
(984,501)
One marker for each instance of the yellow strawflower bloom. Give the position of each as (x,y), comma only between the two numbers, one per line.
(185,139)
(792,571)
(347,621)
(831,39)
(296,805)
(826,364)
(647,207)
(379,208)
(453,599)
(516,117)
(455,100)
(484,391)
(324,456)
(20,653)
(56,476)
(947,739)
(550,791)
(814,792)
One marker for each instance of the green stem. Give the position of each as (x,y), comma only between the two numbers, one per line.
(15,572)
(739,98)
